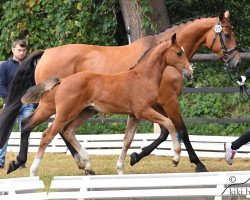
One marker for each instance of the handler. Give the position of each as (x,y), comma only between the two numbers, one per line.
(7,72)
(230,148)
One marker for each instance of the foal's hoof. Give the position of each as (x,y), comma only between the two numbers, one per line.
(200,168)
(12,166)
(175,163)
(133,158)
(89,172)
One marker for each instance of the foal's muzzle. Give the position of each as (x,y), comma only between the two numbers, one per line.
(188,73)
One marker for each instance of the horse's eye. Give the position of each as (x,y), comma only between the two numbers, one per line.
(227,35)
(179,54)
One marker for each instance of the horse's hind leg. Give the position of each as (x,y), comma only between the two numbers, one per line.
(41,114)
(127,140)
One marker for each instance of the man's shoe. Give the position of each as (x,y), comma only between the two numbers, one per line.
(229,153)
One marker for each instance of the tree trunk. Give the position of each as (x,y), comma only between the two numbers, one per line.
(132,18)
(159,15)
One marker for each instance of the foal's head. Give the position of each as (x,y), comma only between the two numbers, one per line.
(176,57)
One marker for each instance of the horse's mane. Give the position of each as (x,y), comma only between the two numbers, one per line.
(185,21)
(146,54)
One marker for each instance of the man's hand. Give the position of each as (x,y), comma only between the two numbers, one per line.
(241,80)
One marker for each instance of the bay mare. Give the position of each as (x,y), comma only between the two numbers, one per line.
(133,92)
(65,60)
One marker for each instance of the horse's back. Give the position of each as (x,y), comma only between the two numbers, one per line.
(66,60)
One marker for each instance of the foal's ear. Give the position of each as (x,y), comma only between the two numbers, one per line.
(173,38)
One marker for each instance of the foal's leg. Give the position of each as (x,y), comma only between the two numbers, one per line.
(127,140)
(135,157)
(41,114)
(45,140)
(153,116)
(86,114)
(47,137)
(81,157)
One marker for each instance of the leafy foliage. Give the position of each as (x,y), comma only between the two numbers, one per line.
(49,23)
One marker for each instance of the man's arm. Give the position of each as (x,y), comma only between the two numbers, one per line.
(3,80)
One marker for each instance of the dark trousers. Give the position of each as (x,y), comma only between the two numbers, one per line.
(242,140)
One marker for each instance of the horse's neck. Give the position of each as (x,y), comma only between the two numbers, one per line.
(191,35)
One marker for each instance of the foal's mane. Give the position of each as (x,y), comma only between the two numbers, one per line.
(146,54)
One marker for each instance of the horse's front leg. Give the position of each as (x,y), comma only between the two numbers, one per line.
(127,140)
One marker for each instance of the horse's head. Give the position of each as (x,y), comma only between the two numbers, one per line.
(221,40)
(177,58)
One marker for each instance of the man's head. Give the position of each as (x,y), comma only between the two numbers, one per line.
(19,50)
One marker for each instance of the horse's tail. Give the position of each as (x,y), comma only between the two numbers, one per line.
(23,79)
(35,93)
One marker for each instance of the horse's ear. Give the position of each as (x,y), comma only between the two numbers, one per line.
(227,14)
(173,38)
(221,15)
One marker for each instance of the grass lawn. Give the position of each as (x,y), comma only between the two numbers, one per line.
(55,164)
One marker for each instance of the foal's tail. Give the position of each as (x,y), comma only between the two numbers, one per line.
(23,79)
(35,93)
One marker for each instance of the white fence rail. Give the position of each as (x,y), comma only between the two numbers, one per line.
(207,185)
(215,185)
(22,189)
(111,144)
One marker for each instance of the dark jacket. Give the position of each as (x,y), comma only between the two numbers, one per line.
(7,72)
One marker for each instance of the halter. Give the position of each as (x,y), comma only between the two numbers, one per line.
(226,52)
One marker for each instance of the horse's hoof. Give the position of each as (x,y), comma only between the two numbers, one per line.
(201,168)
(175,163)
(89,172)
(12,167)
(133,158)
